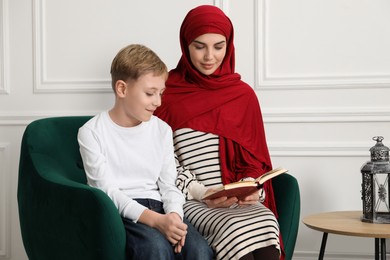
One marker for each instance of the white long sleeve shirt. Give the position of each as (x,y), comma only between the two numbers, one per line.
(131,162)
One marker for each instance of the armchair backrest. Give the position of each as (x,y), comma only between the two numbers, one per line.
(56,138)
(61,217)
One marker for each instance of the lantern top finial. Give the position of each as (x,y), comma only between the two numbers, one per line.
(379,152)
(378,138)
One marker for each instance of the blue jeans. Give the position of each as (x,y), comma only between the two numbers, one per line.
(144,242)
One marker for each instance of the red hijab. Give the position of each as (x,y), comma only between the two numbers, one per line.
(221,103)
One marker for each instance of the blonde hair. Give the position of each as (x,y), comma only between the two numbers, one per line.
(136,60)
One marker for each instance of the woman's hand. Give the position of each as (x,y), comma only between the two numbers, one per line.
(221,202)
(250,199)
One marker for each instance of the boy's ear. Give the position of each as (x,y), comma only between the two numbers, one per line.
(120,88)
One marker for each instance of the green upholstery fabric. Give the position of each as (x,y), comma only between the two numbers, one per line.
(61,217)
(288,204)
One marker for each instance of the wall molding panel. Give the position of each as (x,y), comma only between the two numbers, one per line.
(223,5)
(4,87)
(264,81)
(327,115)
(319,149)
(5,221)
(272,116)
(23,119)
(42,81)
(45,83)
(277,149)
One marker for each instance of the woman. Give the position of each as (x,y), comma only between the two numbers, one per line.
(219,138)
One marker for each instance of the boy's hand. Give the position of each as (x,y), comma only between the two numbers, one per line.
(173,229)
(180,245)
(170,225)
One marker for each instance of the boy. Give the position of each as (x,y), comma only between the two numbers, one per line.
(128,153)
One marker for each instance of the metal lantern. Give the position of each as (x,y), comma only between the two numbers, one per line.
(376,185)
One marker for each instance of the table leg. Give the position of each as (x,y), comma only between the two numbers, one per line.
(383,249)
(323,245)
(376,248)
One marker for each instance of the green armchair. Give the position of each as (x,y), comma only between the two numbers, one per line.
(288,204)
(61,217)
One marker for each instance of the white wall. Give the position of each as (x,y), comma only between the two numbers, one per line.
(321,69)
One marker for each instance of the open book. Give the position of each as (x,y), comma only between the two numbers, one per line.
(241,189)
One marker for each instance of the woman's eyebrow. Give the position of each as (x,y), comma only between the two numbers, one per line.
(220,42)
(195,41)
(199,42)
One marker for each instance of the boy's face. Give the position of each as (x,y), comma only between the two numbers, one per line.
(141,98)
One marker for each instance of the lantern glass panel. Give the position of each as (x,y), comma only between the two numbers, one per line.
(381,189)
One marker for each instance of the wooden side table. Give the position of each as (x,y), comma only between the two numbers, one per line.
(348,223)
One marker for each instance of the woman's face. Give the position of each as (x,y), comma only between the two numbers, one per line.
(207,52)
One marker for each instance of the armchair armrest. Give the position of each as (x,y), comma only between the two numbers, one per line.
(287,196)
(64,219)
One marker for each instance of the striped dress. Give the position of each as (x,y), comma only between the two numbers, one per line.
(231,232)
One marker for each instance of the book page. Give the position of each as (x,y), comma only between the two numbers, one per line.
(269,175)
